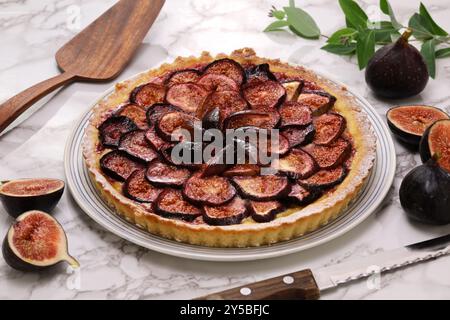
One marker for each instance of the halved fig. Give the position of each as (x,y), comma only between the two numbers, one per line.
(36,241)
(330,156)
(231,213)
(265,94)
(318,101)
(113,128)
(263,188)
(265,211)
(228,102)
(217,82)
(329,128)
(295,114)
(280,147)
(139,189)
(183,76)
(136,146)
(186,154)
(408,123)
(135,113)
(303,196)
(211,120)
(166,175)
(293,89)
(22,195)
(154,139)
(242,170)
(299,136)
(148,94)
(297,164)
(227,67)
(324,179)
(435,144)
(157,110)
(170,122)
(212,191)
(118,166)
(171,204)
(186,96)
(252,118)
(259,72)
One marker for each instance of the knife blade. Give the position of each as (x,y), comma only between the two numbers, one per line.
(307,284)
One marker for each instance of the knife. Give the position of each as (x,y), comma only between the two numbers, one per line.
(308,284)
(97,53)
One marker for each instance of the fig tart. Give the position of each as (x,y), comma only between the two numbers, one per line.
(325,150)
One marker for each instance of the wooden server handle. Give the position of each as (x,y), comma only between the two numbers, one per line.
(14,107)
(298,285)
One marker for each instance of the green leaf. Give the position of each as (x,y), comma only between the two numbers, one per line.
(302,23)
(443,53)
(276,25)
(341,49)
(384,36)
(279,14)
(420,31)
(428,52)
(365,48)
(342,36)
(387,9)
(429,22)
(354,14)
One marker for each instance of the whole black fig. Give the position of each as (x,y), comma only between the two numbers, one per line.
(397,70)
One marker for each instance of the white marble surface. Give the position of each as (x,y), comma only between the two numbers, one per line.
(32,31)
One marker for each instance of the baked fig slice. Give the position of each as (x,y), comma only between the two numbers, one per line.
(330,156)
(36,241)
(157,110)
(303,196)
(242,170)
(259,72)
(137,147)
(185,154)
(171,122)
(280,147)
(228,103)
(186,96)
(295,114)
(299,136)
(212,191)
(230,213)
(324,179)
(154,139)
(166,175)
(252,118)
(113,128)
(148,94)
(137,188)
(408,123)
(297,164)
(171,204)
(211,120)
(269,94)
(219,162)
(435,144)
(318,101)
(117,165)
(329,128)
(263,188)
(23,195)
(183,76)
(293,89)
(228,68)
(265,211)
(217,82)
(135,113)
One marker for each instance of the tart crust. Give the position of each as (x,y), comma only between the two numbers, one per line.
(288,225)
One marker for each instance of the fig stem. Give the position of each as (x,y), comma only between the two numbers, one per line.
(72,261)
(405,35)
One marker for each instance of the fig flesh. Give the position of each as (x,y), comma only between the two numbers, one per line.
(297,164)
(218,82)
(162,174)
(148,94)
(212,191)
(137,188)
(227,214)
(135,144)
(183,76)
(397,70)
(424,194)
(265,211)
(186,96)
(324,179)
(36,241)
(23,195)
(408,123)
(171,204)
(303,196)
(113,128)
(299,136)
(227,67)
(330,156)
(435,144)
(266,94)
(252,118)
(117,165)
(328,127)
(135,113)
(263,188)
(318,101)
(295,114)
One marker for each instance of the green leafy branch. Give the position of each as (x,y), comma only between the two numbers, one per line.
(361,36)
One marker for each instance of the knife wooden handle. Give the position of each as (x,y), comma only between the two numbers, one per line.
(294,286)
(14,107)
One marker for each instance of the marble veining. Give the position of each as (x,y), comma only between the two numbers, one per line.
(112,268)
